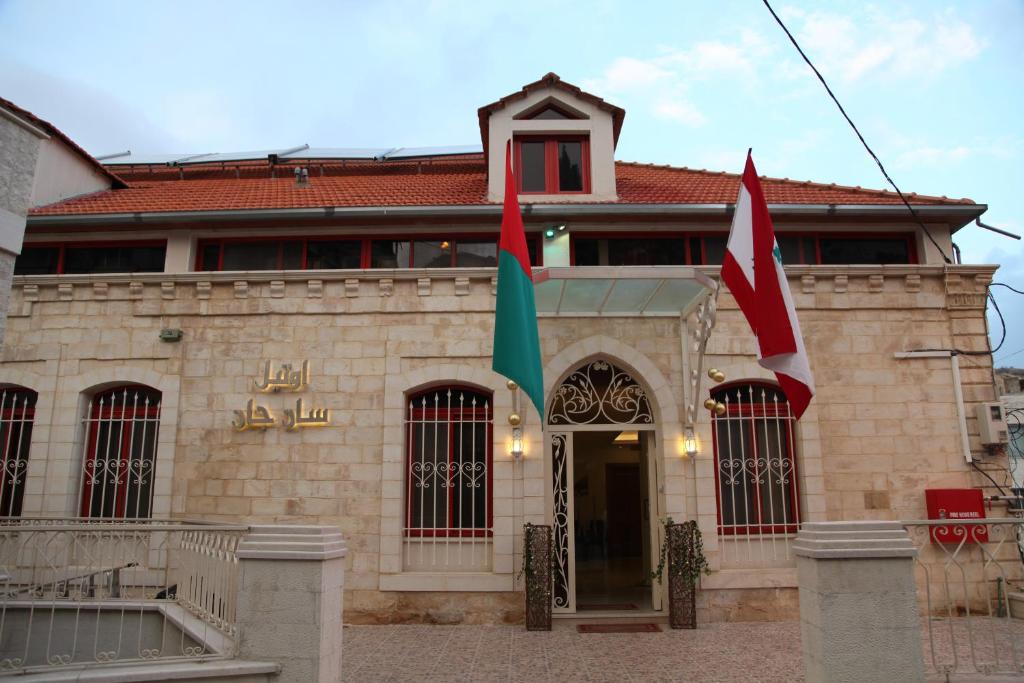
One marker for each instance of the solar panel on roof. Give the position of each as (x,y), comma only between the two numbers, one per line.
(132,158)
(299,153)
(448,150)
(337,153)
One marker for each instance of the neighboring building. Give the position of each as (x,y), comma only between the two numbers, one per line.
(38,165)
(150,324)
(1010,389)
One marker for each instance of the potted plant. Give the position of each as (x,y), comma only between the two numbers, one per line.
(682,550)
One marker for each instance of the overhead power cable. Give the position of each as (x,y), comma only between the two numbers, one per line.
(899,192)
(864,142)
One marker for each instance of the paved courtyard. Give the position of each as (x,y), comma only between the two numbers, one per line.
(714,652)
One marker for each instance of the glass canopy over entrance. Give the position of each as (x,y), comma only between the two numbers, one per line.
(620,290)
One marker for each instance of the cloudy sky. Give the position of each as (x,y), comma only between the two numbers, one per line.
(937,88)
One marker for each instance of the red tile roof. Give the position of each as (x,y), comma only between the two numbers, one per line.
(439,182)
(53,131)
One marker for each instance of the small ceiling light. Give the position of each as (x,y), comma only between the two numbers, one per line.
(690,442)
(549,233)
(445,244)
(627,437)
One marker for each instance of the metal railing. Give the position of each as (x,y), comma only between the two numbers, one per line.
(968,574)
(79,592)
(756,478)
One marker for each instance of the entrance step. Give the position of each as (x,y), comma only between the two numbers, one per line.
(610,617)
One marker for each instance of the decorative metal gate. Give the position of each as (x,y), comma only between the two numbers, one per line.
(596,396)
(564,590)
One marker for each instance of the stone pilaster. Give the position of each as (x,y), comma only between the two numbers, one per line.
(858,608)
(291,580)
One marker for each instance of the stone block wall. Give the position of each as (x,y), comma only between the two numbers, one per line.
(879,431)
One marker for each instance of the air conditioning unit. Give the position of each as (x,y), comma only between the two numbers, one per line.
(992,424)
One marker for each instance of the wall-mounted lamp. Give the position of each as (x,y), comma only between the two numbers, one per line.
(690,442)
(517,435)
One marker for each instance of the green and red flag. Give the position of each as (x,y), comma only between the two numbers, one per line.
(516,342)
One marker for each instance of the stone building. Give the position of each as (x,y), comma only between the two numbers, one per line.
(305,335)
(39,165)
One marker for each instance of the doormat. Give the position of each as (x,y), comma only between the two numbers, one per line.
(618,628)
(606,606)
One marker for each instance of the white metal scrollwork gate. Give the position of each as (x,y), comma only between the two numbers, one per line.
(597,396)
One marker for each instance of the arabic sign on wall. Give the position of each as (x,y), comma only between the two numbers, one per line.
(258,416)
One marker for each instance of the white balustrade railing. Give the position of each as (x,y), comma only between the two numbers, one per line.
(87,592)
(969,574)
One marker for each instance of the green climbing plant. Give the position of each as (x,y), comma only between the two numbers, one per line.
(692,564)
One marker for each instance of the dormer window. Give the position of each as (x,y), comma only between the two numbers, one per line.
(552,164)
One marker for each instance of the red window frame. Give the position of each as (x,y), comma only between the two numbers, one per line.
(751,411)
(123,414)
(534,241)
(551,162)
(701,236)
(444,416)
(64,246)
(15,411)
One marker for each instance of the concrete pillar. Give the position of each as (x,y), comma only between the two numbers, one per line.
(291,580)
(859,618)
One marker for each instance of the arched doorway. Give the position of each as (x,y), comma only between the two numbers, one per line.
(601,439)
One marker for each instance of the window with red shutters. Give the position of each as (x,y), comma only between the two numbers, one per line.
(122,431)
(17,412)
(755,464)
(552,164)
(448,465)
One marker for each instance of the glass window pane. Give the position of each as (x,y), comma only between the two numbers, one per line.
(389,254)
(337,254)
(842,250)
(476,254)
(533,245)
(251,255)
(432,254)
(714,250)
(570,166)
(736,487)
(210,257)
(810,250)
(469,501)
(646,252)
(696,255)
(790,247)
(586,252)
(532,166)
(114,259)
(291,256)
(429,475)
(37,261)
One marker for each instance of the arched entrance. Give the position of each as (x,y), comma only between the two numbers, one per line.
(601,438)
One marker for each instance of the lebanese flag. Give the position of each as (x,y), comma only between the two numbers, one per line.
(516,342)
(752,269)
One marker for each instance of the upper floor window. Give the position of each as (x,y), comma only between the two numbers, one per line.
(87,258)
(552,165)
(119,464)
(448,251)
(709,250)
(17,413)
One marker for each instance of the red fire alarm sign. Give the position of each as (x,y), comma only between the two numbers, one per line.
(963,505)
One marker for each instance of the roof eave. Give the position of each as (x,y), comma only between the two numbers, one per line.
(957,215)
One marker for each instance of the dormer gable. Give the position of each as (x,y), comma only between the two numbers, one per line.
(563,140)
